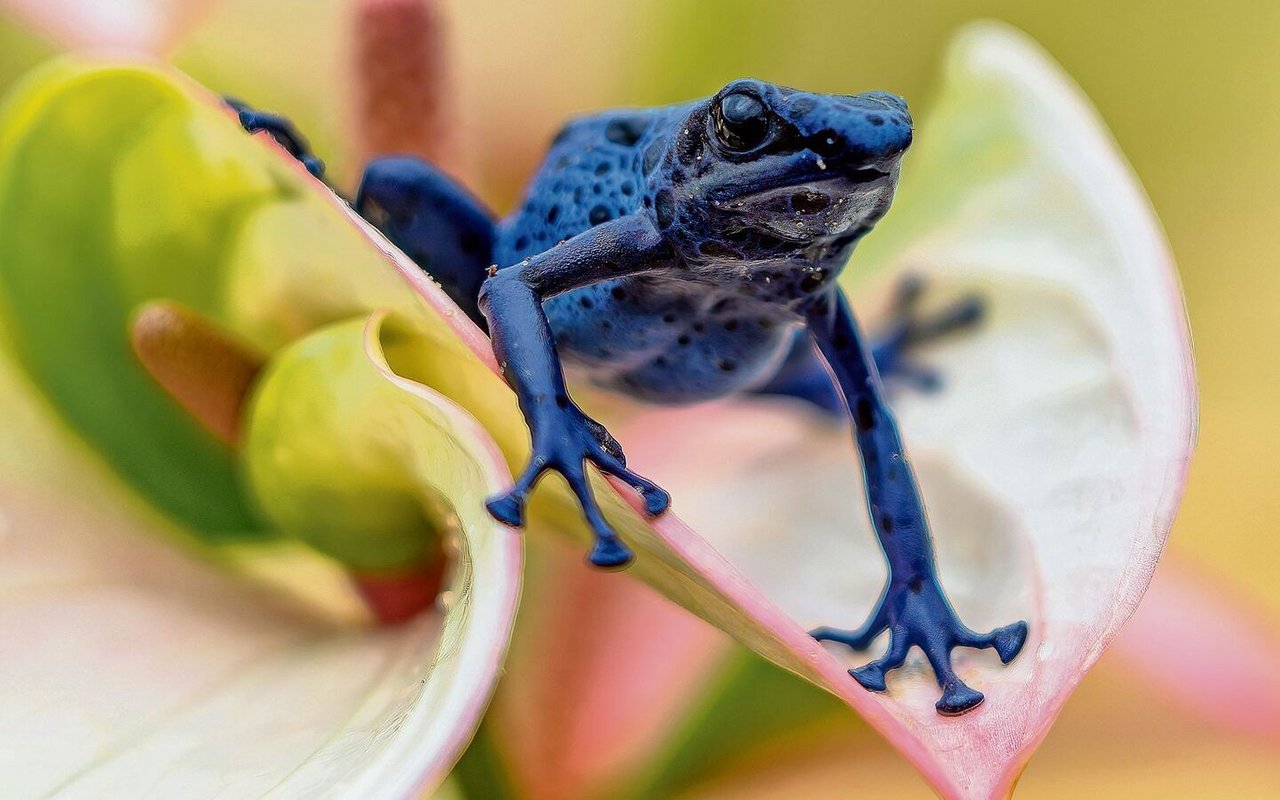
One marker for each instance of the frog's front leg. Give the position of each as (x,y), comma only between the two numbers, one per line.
(913,607)
(802,375)
(564,438)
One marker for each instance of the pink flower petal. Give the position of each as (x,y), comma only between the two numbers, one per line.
(1208,651)
(599,673)
(149,26)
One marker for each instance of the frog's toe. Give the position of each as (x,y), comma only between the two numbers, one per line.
(857,639)
(610,553)
(314,165)
(957,699)
(961,315)
(921,378)
(656,499)
(872,676)
(957,696)
(280,129)
(1006,641)
(507,509)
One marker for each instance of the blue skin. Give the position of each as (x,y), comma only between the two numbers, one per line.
(686,253)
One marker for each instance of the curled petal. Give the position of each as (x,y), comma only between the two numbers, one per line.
(143,666)
(137,664)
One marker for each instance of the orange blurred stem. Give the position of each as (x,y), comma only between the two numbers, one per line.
(203,367)
(395,597)
(403,96)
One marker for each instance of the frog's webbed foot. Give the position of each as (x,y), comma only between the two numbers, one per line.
(916,613)
(564,442)
(280,129)
(908,329)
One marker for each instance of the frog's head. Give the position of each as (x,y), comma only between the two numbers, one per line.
(760,167)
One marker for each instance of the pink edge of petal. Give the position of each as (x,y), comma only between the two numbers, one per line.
(830,674)
(1229,679)
(485,664)
(1160,269)
(692,425)
(487,611)
(1012,54)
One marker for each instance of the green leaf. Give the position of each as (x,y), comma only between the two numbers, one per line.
(109,198)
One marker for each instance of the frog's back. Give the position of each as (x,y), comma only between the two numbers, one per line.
(656,341)
(593,172)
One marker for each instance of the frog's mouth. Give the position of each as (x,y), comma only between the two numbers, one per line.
(863,175)
(829,205)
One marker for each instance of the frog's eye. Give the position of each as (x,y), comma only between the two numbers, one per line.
(741,121)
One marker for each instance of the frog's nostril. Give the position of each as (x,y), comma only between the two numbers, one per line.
(828,144)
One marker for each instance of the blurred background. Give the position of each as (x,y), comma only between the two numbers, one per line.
(1191,92)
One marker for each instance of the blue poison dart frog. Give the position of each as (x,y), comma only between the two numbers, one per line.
(685,253)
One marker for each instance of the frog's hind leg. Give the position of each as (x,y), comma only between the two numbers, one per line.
(436,222)
(908,330)
(802,375)
(280,129)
